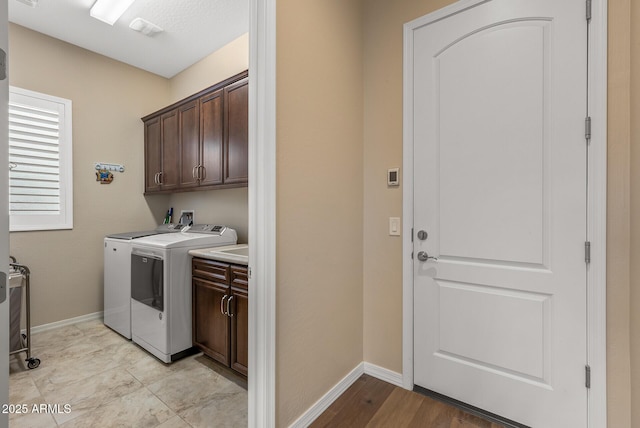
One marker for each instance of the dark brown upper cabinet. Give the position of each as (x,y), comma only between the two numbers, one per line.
(200,142)
(161,153)
(236,141)
(212,138)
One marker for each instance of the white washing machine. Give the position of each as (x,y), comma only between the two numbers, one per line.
(161,288)
(117,276)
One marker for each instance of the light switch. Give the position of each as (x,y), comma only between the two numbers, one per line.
(394,226)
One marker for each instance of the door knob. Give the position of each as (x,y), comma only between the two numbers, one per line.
(422,235)
(423,256)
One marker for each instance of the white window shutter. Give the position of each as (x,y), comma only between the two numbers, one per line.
(40,177)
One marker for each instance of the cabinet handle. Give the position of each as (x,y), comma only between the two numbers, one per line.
(193,173)
(228,303)
(222,305)
(204,172)
(160,178)
(155,178)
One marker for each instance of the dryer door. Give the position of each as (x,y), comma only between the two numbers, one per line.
(147,284)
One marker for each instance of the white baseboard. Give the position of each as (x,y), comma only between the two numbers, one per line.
(394,378)
(332,395)
(327,399)
(69,321)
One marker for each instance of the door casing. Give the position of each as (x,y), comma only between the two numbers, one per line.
(596,207)
(262,214)
(4,220)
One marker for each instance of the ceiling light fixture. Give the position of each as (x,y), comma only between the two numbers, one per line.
(32,3)
(109,10)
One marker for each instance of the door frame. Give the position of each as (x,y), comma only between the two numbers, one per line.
(4,218)
(262,214)
(596,206)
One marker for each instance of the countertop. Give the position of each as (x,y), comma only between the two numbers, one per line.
(238,253)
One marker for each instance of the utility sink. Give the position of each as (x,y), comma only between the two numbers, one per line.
(230,253)
(241,251)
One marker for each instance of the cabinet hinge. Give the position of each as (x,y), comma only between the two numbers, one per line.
(587,128)
(587,376)
(588,10)
(587,252)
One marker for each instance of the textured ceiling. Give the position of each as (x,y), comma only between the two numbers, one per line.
(192,29)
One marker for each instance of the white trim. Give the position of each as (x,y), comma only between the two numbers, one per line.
(4,220)
(597,221)
(407,208)
(389,376)
(327,399)
(67,322)
(597,217)
(262,214)
(334,393)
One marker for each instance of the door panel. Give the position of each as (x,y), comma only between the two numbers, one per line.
(481,217)
(240,331)
(499,101)
(479,336)
(211,329)
(189,131)
(211,136)
(152,154)
(170,151)
(237,137)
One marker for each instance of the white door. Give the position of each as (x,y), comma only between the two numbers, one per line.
(4,223)
(498,126)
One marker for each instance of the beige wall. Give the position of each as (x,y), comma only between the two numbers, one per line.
(109,98)
(319,199)
(227,206)
(631,53)
(225,62)
(383,33)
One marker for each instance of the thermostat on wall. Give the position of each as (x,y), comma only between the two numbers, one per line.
(393,177)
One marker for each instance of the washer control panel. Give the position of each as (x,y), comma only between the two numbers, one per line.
(214,229)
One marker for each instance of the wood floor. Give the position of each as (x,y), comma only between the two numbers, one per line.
(370,402)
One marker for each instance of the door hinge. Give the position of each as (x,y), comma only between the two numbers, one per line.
(3,65)
(588,10)
(249,272)
(587,252)
(587,128)
(587,376)
(412,234)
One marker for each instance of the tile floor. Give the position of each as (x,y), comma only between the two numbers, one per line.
(108,381)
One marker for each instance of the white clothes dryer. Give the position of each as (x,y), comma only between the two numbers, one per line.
(161,288)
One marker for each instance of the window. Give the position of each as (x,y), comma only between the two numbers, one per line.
(40,161)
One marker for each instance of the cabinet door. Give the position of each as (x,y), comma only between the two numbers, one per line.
(211,138)
(237,135)
(239,309)
(239,330)
(188,131)
(152,155)
(210,325)
(170,150)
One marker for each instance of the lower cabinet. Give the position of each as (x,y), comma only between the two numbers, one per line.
(220,312)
